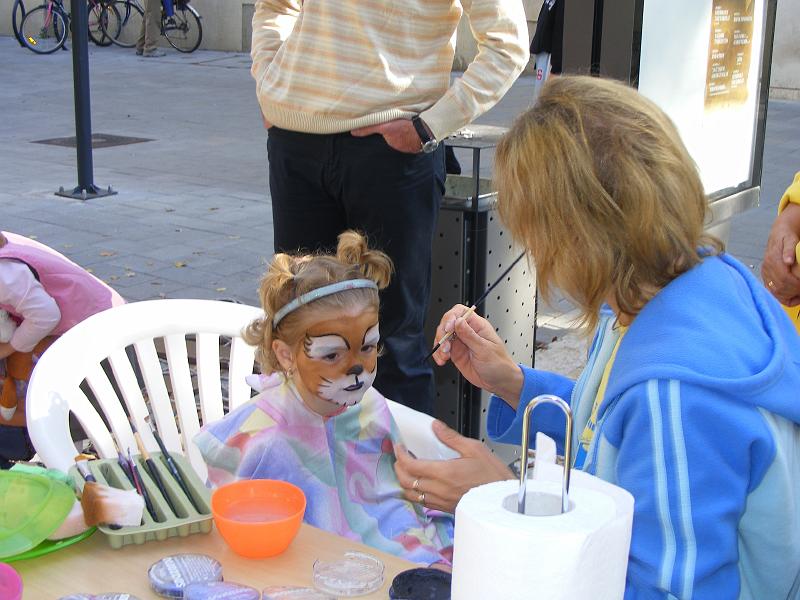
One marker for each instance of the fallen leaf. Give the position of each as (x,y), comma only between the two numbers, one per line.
(234,237)
(221,289)
(169,210)
(130,274)
(34,237)
(90,270)
(107,253)
(214,208)
(114,277)
(180,263)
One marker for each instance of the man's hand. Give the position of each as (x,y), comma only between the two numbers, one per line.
(400,134)
(780,262)
(440,484)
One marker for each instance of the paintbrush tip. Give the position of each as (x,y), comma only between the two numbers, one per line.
(104,505)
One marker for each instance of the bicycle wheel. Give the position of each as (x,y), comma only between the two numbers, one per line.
(44,29)
(183,30)
(17,14)
(122,21)
(100,21)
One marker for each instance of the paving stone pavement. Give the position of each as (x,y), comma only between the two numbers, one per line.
(192,216)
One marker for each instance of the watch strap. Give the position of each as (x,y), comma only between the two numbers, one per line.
(422,131)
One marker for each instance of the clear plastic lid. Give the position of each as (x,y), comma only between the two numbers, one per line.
(113,596)
(284,592)
(355,574)
(220,590)
(169,576)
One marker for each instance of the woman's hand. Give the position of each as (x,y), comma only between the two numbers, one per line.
(440,484)
(479,354)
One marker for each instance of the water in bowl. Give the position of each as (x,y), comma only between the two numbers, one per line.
(255,511)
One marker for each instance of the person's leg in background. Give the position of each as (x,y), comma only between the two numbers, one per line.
(394,199)
(305,215)
(146,45)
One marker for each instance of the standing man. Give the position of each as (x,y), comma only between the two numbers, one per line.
(150,30)
(356,97)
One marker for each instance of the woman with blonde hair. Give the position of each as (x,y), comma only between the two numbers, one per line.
(689,398)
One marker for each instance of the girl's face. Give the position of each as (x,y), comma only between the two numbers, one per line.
(336,361)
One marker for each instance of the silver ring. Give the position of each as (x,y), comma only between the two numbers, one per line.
(415,485)
(421,498)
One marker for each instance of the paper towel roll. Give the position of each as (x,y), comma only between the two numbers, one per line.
(502,554)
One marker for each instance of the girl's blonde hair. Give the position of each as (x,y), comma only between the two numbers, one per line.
(290,276)
(595,182)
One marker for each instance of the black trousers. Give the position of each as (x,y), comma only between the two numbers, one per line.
(322,185)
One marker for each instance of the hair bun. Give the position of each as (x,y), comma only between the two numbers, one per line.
(353,249)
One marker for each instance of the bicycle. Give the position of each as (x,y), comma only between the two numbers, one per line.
(45,28)
(183,29)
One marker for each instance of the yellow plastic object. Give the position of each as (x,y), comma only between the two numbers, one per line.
(258,518)
(31,508)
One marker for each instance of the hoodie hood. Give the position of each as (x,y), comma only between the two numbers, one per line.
(715,326)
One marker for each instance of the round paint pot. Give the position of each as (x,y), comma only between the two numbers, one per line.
(355,574)
(171,575)
(10,583)
(421,584)
(220,590)
(285,592)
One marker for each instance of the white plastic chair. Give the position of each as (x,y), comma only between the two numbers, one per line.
(77,356)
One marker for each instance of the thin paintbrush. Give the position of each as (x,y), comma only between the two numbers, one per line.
(137,481)
(82,464)
(170,462)
(474,306)
(151,468)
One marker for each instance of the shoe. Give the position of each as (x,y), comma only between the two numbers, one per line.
(154,53)
(139,53)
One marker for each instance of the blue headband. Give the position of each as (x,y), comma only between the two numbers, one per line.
(327,290)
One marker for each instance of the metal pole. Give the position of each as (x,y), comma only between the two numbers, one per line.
(79,21)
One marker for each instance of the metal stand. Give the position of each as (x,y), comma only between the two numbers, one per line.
(470,251)
(83,121)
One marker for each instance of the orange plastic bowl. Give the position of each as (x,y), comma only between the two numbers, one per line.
(258,518)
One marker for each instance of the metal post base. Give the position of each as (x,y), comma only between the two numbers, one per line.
(87,193)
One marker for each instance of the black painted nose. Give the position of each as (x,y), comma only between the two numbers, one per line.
(356,370)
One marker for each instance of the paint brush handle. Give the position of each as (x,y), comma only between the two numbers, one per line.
(450,334)
(142,490)
(176,474)
(123,464)
(156,477)
(173,468)
(83,469)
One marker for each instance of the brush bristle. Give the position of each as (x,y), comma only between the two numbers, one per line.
(104,505)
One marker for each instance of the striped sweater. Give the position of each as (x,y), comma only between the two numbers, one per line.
(325,66)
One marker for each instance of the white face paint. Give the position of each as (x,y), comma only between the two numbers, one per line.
(340,365)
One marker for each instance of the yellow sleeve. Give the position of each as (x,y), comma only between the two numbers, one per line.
(792,194)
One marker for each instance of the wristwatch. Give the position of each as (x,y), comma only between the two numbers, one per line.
(429,143)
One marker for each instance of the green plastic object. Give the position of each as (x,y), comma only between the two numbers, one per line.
(48,546)
(188,519)
(31,508)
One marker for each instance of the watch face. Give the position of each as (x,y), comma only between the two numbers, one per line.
(430,146)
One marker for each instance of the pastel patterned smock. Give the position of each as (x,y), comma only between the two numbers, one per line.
(344,464)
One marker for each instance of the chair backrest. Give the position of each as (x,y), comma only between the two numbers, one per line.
(98,353)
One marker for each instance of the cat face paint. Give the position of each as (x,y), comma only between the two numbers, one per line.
(338,358)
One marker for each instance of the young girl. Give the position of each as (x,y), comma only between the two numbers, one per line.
(317,422)
(45,294)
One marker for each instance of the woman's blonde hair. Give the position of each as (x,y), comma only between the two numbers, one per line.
(595,182)
(290,276)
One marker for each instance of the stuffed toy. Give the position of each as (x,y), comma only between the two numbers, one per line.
(17,368)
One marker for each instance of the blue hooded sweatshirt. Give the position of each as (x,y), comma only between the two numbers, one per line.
(701,423)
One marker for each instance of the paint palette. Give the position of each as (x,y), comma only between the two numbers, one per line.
(191,515)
